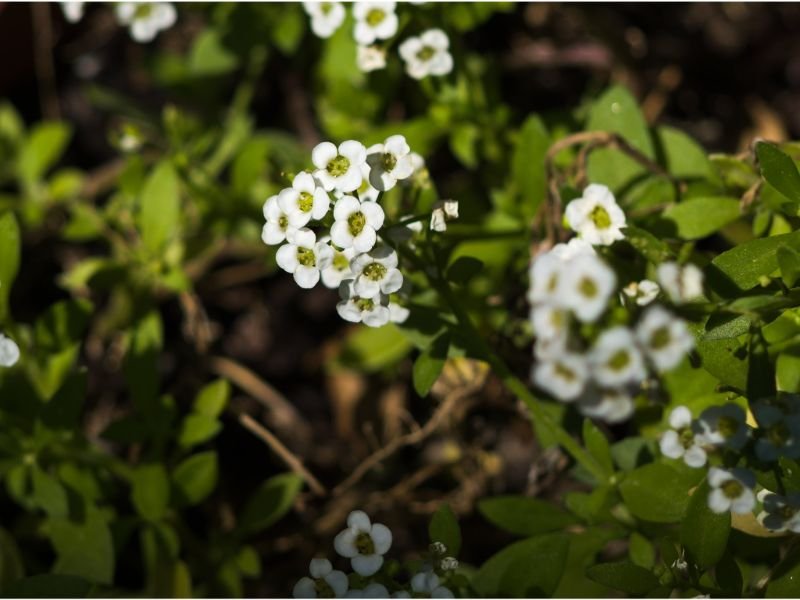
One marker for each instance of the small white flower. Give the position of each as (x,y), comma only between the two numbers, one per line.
(615,359)
(448,563)
(9,351)
(724,426)
(682,441)
(323,583)
(375,272)
(778,433)
(364,543)
(781,513)
(374,21)
(339,268)
(610,406)
(339,168)
(643,292)
(564,377)
(397,313)
(304,257)
(305,200)
(665,338)
(373,312)
(389,162)
(280,225)
(146,19)
(427,585)
(428,54)
(545,275)
(417,162)
(731,490)
(682,283)
(373,590)
(575,247)
(587,284)
(551,327)
(443,211)
(356,223)
(326,17)
(73,11)
(370,58)
(596,217)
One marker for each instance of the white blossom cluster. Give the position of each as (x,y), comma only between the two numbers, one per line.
(144,20)
(365,543)
(341,198)
(376,23)
(725,428)
(572,286)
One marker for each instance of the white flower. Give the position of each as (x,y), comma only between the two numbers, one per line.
(665,338)
(374,21)
(398,314)
(339,168)
(545,275)
(9,352)
(304,257)
(356,223)
(365,192)
(73,11)
(373,312)
(448,563)
(610,406)
(373,590)
(682,283)
(375,272)
(417,162)
(575,247)
(778,433)
(595,216)
(564,377)
(682,441)
(731,490)
(551,326)
(146,19)
(280,225)
(389,162)
(323,583)
(338,269)
(616,360)
(643,292)
(443,211)
(724,426)
(370,58)
(586,285)
(363,543)
(326,17)
(426,585)
(781,513)
(305,200)
(427,54)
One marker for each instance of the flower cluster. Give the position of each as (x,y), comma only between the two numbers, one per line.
(725,429)
(365,543)
(376,23)
(571,287)
(341,196)
(143,19)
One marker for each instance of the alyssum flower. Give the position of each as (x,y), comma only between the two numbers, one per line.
(731,490)
(146,19)
(364,543)
(389,162)
(370,58)
(682,440)
(665,338)
(304,257)
(280,225)
(724,426)
(338,269)
(323,583)
(564,376)
(305,200)
(778,432)
(596,217)
(781,513)
(615,359)
(609,405)
(586,287)
(682,283)
(339,168)
(375,272)
(9,351)
(326,17)
(373,311)
(374,21)
(642,292)
(356,223)
(427,54)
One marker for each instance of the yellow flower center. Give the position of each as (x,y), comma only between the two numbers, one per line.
(306,257)
(619,360)
(356,223)
(600,217)
(426,53)
(305,202)
(338,165)
(660,338)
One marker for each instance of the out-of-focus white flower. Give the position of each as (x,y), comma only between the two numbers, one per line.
(778,433)
(375,272)
(370,58)
(665,338)
(326,17)
(682,441)
(146,19)
(9,351)
(374,21)
(373,590)
(546,274)
(305,200)
(323,583)
(304,257)
(781,513)
(724,426)
(448,563)
(575,247)
(608,405)
(596,217)
(339,168)
(73,11)
(373,312)
(615,359)
(389,162)
(427,585)
(356,223)
(586,286)
(428,54)
(338,269)
(731,490)
(551,327)
(643,292)
(443,211)
(398,313)
(682,283)
(364,543)
(564,377)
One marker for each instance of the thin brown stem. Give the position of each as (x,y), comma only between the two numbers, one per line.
(43,56)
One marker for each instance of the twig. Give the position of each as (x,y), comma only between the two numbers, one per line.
(294,463)
(196,326)
(43,56)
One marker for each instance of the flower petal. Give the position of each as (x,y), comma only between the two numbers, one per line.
(382,537)
(322,154)
(345,543)
(366,565)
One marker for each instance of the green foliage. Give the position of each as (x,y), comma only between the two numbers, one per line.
(444,528)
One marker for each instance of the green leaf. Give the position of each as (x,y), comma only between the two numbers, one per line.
(704,533)
(742,267)
(49,586)
(463,269)
(597,445)
(85,549)
(683,157)
(150,491)
(779,170)
(529,568)
(642,553)
(623,576)
(787,370)
(789,264)
(648,245)
(463,143)
(41,150)
(146,340)
(785,580)
(196,477)
(726,359)
(197,429)
(527,164)
(213,398)
(49,494)
(444,528)
(697,218)
(271,501)
(9,259)
(729,576)
(429,364)
(159,215)
(659,492)
(525,516)
(373,349)
(209,57)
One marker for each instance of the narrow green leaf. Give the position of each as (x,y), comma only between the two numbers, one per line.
(41,150)
(271,501)
(150,491)
(9,259)
(197,429)
(196,477)
(429,364)
(641,551)
(743,266)
(527,164)
(597,445)
(779,170)
(704,533)
(159,215)
(444,528)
